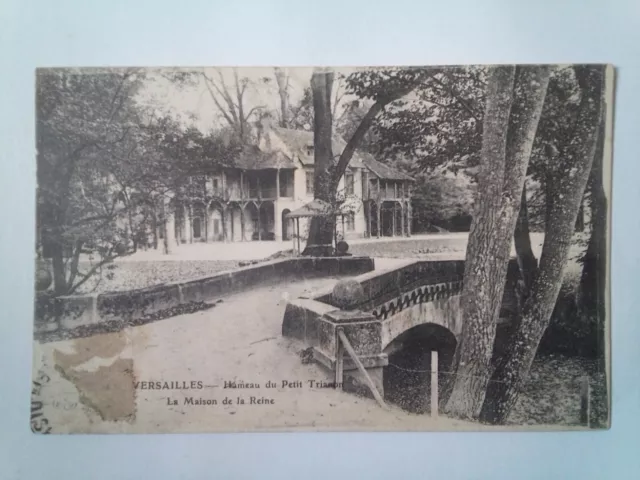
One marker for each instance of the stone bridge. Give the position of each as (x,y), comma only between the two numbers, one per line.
(396,304)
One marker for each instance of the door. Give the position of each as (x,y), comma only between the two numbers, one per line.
(286,225)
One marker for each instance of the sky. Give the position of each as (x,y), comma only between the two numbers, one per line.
(193,103)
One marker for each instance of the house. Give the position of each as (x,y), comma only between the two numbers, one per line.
(250,199)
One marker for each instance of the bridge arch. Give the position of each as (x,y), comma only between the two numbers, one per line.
(444,312)
(406,379)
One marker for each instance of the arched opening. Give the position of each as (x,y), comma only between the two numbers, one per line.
(216,220)
(198,227)
(407,378)
(233,227)
(286,225)
(388,219)
(372,208)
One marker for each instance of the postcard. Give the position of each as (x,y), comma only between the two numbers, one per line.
(403,248)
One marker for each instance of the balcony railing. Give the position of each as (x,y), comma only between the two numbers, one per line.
(261,193)
(235,192)
(372,192)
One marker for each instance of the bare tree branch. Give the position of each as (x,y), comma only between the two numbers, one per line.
(215,100)
(362,129)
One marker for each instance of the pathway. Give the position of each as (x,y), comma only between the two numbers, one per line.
(258,249)
(239,340)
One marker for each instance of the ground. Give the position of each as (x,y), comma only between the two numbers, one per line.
(150,267)
(239,340)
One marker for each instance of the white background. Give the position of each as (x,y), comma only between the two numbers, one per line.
(117,32)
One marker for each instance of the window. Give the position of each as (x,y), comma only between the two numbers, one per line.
(286,183)
(216,226)
(348,183)
(215,184)
(351,222)
(309,149)
(309,181)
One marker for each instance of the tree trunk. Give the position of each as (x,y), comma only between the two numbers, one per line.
(283,86)
(570,180)
(321,228)
(154,222)
(328,174)
(514,102)
(59,273)
(166,212)
(593,278)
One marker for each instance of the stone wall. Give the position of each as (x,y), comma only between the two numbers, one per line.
(315,321)
(69,312)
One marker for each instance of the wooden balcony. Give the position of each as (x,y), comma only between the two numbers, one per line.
(389,192)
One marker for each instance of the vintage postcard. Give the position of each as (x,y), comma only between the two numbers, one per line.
(322,249)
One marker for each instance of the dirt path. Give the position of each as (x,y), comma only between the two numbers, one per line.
(92,380)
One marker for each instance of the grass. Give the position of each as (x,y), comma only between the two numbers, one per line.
(551,394)
(131,275)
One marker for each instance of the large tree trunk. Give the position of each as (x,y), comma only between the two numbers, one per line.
(322,227)
(594,270)
(570,177)
(328,173)
(514,102)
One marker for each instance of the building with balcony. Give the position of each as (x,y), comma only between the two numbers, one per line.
(250,199)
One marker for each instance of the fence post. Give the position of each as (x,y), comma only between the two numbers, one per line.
(339,360)
(434,384)
(585,401)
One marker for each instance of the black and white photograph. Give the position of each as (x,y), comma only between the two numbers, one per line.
(245,249)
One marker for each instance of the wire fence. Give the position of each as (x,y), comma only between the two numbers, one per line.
(439,377)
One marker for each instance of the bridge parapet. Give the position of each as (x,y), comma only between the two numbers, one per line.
(426,293)
(396,300)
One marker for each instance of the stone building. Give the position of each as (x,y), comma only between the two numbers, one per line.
(249,200)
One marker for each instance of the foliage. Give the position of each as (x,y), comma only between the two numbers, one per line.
(301,115)
(84,127)
(444,200)
(439,123)
(103,164)
(228,94)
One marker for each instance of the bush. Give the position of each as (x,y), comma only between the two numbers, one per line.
(570,333)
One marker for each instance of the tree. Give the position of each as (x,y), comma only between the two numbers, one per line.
(301,115)
(321,229)
(569,171)
(515,96)
(282,80)
(105,165)
(83,127)
(230,100)
(383,87)
(440,124)
(591,290)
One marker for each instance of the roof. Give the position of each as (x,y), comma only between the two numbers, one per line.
(298,142)
(315,208)
(252,158)
(384,172)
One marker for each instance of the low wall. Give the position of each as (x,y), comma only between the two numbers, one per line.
(69,312)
